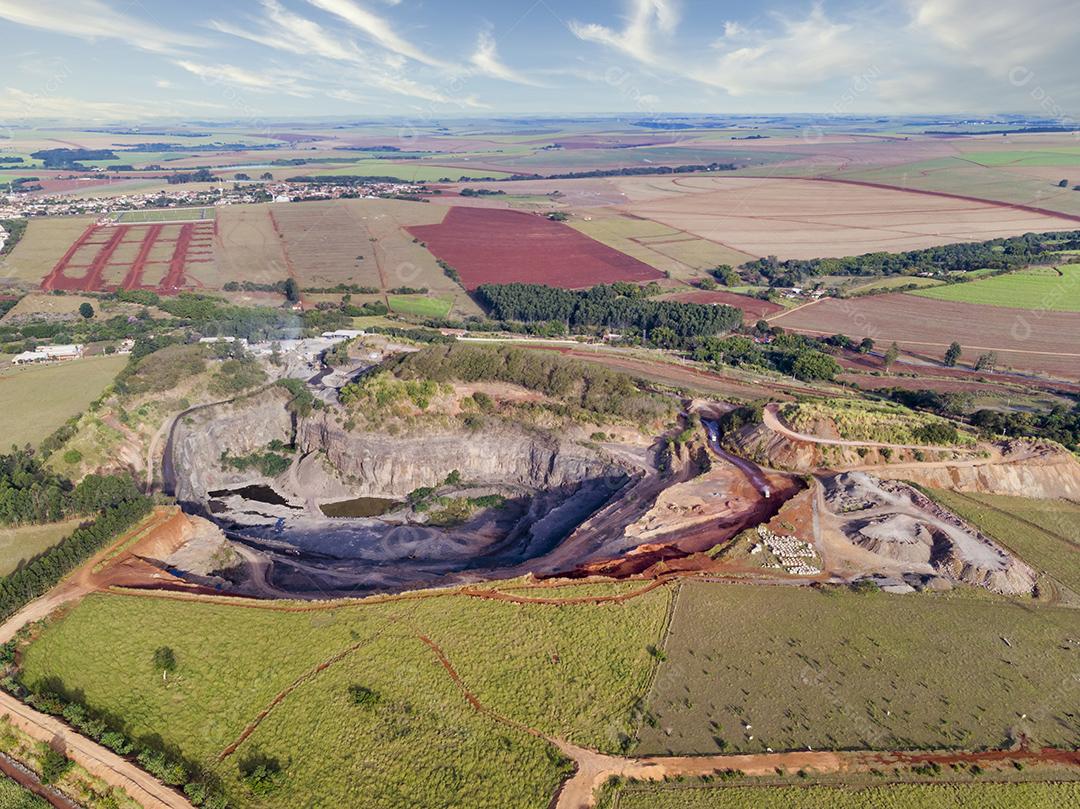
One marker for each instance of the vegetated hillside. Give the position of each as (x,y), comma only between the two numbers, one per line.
(852,420)
(580,385)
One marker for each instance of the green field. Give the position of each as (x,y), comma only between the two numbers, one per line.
(571,671)
(19,545)
(409,172)
(1034,289)
(166,215)
(1064,156)
(13,796)
(898,796)
(836,669)
(894,282)
(1044,533)
(420,305)
(37,400)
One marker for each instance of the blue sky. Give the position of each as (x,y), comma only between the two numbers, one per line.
(125,59)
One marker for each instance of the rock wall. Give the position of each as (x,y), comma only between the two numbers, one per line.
(239,429)
(377,464)
(1053,478)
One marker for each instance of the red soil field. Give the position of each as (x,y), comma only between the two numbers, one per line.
(1032,341)
(752,307)
(99,245)
(488,246)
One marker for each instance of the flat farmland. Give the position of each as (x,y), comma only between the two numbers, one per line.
(501,246)
(753,308)
(41,247)
(1044,341)
(891,796)
(1053,288)
(37,400)
(796,218)
(247,248)
(574,671)
(680,254)
(166,215)
(841,670)
(20,545)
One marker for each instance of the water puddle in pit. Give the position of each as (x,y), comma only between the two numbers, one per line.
(258,493)
(360,507)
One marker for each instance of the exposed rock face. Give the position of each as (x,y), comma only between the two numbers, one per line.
(377,464)
(898,536)
(239,429)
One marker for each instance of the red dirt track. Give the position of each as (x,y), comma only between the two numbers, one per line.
(190,241)
(491,246)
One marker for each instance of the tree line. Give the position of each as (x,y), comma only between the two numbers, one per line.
(995,254)
(609,306)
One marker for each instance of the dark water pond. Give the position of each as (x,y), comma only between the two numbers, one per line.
(259,493)
(360,507)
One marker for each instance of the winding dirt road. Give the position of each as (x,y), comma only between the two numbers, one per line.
(770,417)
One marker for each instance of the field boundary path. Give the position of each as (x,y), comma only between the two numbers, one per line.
(91,756)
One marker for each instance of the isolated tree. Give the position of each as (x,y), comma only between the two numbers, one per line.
(164,661)
(762,326)
(866,346)
(891,356)
(952,354)
(292,291)
(706,283)
(986,362)
(266,176)
(241,176)
(86,310)
(1063,184)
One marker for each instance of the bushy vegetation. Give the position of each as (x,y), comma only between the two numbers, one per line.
(994,254)
(874,422)
(582,386)
(32,494)
(805,358)
(621,306)
(162,370)
(270,463)
(13,796)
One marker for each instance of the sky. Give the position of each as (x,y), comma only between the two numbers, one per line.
(124,60)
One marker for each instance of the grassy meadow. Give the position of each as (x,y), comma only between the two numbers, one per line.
(572,671)
(37,400)
(19,545)
(1037,289)
(420,306)
(839,670)
(873,422)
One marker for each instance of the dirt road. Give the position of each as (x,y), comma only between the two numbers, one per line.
(770,417)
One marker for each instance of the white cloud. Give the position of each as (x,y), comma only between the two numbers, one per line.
(636,39)
(265,81)
(485,60)
(15,103)
(800,55)
(377,29)
(94,19)
(283,30)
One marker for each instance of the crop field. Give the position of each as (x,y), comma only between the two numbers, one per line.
(895,796)
(837,669)
(1028,340)
(41,247)
(1044,533)
(680,254)
(1063,156)
(418,172)
(38,400)
(165,215)
(575,671)
(362,242)
(794,218)
(1041,288)
(420,306)
(153,256)
(879,284)
(19,545)
(500,246)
